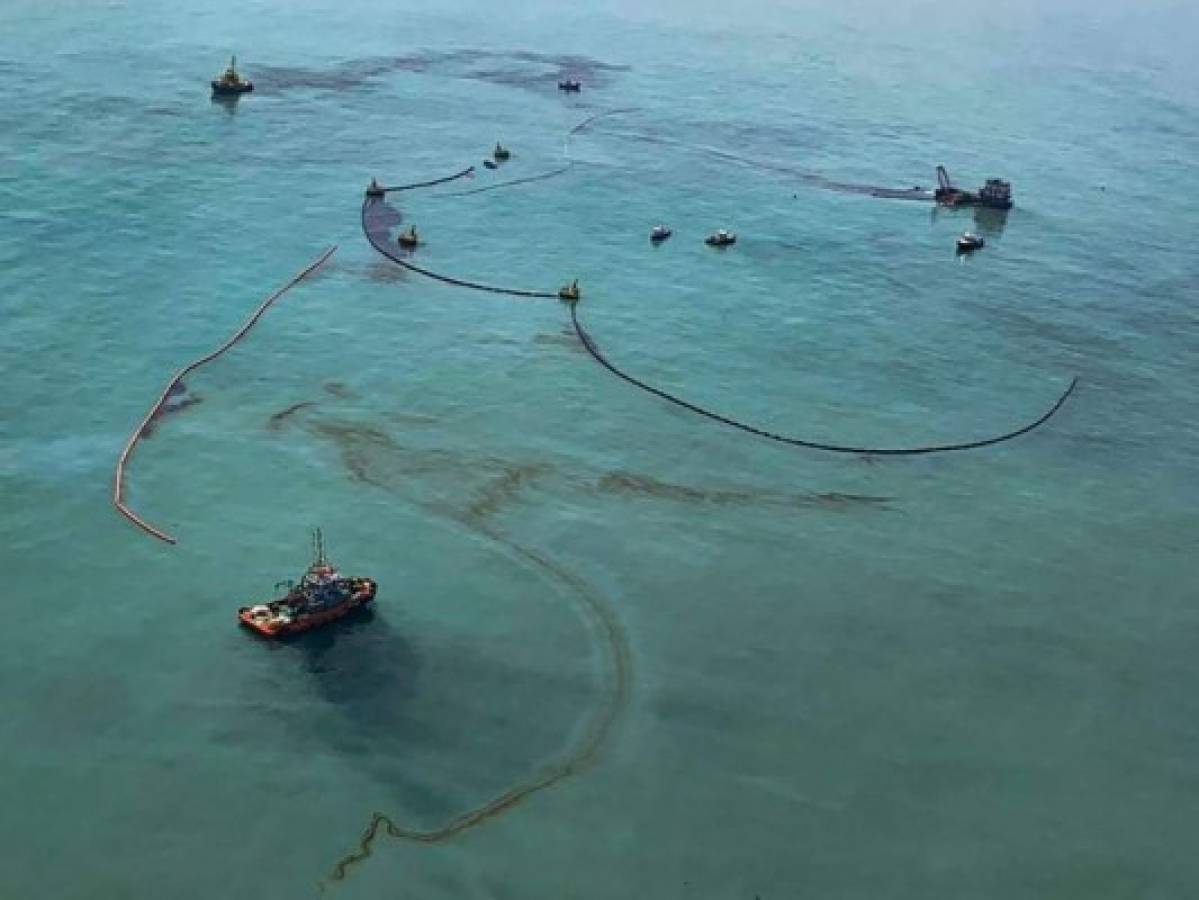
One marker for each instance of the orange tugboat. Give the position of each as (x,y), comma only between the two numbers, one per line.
(322,596)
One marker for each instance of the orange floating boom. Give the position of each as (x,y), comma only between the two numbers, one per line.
(118,487)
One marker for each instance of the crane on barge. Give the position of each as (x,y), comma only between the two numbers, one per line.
(995,194)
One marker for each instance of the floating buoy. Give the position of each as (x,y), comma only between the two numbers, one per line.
(570,292)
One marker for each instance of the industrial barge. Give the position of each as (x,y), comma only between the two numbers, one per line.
(995,194)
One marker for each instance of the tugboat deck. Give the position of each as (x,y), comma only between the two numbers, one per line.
(322,596)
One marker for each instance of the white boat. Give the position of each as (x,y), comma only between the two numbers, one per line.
(969,242)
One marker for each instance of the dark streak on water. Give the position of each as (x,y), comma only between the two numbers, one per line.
(277,420)
(372,456)
(812,179)
(177,400)
(630,484)
(522,69)
(504,488)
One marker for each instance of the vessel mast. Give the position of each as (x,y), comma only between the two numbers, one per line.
(318,548)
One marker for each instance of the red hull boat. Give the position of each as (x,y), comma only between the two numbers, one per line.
(323,595)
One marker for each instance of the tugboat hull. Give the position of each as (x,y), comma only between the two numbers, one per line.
(221,89)
(265,620)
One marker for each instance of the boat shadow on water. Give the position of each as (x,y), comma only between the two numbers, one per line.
(365,678)
(988,222)
(228,103)
(357,660)
(433,746)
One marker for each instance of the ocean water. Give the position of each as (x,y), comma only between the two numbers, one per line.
(760,671)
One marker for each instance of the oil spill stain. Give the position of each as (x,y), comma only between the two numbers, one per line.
(630,484)
(277,420)
(503,489)
(178,399)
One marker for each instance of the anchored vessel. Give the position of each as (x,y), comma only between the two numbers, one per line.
(322,596)
(231,84)
(995,194)
(570,86)
(659,234)
(721,238)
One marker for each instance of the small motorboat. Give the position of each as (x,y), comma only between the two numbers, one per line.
(721,238)
(570,292)
(408,239)
(659,234)
(375,190)
(570,86)
(501,153)
(230,84)
(969,242)
(487,163)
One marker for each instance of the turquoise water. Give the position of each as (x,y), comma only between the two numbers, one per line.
(965,676)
